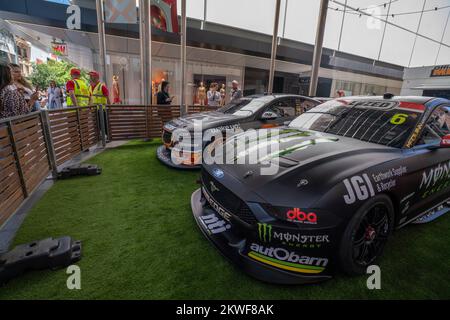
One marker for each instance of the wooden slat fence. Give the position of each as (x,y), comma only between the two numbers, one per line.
(23,161)
(34,145)
(73,130)
(131,122)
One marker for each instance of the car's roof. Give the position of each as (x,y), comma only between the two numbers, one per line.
(276,96)
(414,99)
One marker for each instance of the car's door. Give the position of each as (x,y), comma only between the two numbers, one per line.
(429,169)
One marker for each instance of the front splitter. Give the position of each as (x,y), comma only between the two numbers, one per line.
(232,246)
(163,155)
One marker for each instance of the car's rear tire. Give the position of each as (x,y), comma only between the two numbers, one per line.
(366,234)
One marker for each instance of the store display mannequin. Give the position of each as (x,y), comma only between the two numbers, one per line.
(223,94)
(201,94)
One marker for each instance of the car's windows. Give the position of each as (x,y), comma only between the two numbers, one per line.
(382,123)
(283,108)
(245,107)
(303,105)
(437,126)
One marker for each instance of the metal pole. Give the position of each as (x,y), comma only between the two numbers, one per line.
(384,30)
(442,38)
(417,32)
(183,108)
(146,51)
(101,40)
(318,47)
(273,54)
(342,27)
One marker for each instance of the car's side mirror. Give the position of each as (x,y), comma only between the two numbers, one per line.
(445,141)
(269,115)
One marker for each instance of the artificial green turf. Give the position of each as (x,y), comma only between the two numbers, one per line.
(140,241)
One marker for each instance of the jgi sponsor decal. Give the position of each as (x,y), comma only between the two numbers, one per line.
(435,179)
(358,188)
(287,260)
(267,233)
(213,224)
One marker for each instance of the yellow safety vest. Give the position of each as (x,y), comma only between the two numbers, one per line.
(97,97)
(81,93)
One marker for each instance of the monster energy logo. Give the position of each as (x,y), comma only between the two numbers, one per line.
(265,232)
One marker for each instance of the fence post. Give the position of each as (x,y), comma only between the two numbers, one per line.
(102,125)
(107,125)
(16,157)
(147,129)
(79,129)
(49,143)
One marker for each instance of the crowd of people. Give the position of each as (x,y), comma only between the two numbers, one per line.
(19,97)
(214,96)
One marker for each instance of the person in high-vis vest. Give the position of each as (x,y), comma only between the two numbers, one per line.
(98,90)
(77,90)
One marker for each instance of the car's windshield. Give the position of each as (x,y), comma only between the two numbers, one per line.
(244,107)
(382,122)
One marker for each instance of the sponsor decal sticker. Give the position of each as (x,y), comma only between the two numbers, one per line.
(213,224)
(298,216)
(358,188)
(267,233)
(435,179)
(217,207)
(287,260)
(213,187)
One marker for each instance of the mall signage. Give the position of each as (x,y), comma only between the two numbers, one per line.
(59,49)
(441,71)
(163,13)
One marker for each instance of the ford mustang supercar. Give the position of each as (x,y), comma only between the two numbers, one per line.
(258,111)
(349,172)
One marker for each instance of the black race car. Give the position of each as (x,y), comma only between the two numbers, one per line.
(258,111)
(349,172)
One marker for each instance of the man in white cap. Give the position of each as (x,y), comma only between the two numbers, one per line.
(236,92)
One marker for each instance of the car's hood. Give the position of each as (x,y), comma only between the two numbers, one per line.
(317,160)
(211,119)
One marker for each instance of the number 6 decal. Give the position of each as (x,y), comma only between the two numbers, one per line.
(399,118)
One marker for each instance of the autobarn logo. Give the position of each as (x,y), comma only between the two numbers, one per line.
(267,233)
(298,216)
(213,224)
(217,207)
(287,260)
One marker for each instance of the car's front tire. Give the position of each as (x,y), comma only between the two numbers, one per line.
(366,234)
